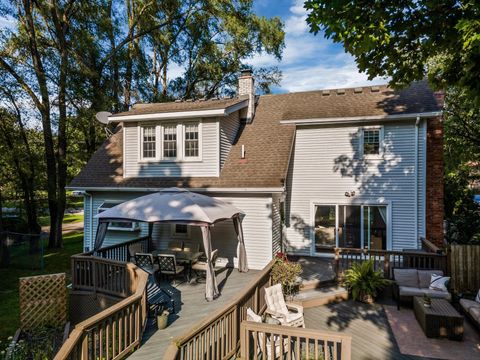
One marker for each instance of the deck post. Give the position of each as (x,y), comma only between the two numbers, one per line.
(337,262)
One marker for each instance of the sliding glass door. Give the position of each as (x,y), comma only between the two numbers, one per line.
(350,226)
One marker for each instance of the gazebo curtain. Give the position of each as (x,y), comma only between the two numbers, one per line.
(211,288)
(241,252)
(101,232)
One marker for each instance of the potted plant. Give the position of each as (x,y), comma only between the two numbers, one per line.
(162,319)
(364,282)
(427,301)
(287,273)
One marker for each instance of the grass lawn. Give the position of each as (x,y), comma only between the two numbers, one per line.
(67,219)
(55,261)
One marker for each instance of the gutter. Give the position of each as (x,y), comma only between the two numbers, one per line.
(361,119)
(91,216)
(180,114)
(417,123)
(260,190)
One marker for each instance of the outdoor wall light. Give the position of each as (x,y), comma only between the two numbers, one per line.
(349,193)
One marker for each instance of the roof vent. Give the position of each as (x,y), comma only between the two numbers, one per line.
(340,91)
(215,98)
(326,92)
(178,100)
(358,90)
(202,99)
(189,100)
(375,88)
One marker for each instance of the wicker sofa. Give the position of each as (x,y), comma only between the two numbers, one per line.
(413,282)
(471,308)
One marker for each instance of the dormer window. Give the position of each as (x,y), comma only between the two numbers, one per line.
(170,142)
(149,142)
(191,140)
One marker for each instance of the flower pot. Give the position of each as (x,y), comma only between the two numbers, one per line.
(367,299)
(162,320)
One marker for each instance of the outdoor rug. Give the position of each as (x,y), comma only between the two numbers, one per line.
(412,341)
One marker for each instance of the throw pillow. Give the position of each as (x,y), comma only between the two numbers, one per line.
(251,316)
(439,282)
(477,298)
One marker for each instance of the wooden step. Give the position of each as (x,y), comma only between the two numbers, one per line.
(320,296)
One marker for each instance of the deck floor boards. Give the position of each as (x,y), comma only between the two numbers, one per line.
(194,308)
(372,338)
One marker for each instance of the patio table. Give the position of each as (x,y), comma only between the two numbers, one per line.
(186,258)
(439,320)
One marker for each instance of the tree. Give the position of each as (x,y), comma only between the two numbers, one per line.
(400,38)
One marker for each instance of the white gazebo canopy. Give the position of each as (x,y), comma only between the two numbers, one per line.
(179,206)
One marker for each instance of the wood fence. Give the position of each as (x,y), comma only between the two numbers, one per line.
(386,261)
(117,330)
(218,337)
(264,341)
(464,264)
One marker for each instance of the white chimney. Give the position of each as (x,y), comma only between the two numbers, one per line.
(246,87)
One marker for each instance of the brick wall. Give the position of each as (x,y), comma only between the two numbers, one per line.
(434,191)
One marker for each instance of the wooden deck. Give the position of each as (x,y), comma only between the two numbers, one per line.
(372,338)
(193,309)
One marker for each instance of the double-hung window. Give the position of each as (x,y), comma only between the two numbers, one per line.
(149,142)
(191,140)
(371,144)
(170,142)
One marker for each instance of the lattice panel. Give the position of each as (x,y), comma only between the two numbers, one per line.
(43,301)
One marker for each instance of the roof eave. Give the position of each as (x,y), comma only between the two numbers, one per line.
(181,114)
(259,190)
(361,119)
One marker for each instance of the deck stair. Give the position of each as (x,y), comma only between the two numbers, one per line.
(312,297)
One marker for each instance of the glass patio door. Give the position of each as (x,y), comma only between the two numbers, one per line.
(349,226)
(325,225)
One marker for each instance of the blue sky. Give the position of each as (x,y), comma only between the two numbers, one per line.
(309,62)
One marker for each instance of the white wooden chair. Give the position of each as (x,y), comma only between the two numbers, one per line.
(280,310)
(265,341)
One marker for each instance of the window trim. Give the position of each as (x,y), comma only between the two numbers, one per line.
(381,137)
(140,140)
(174,234)
(134,227)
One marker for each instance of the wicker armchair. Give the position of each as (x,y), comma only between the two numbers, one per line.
(279,309)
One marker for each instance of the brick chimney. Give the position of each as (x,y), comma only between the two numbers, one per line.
(246,87)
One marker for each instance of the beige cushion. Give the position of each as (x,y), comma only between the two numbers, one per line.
(424,277)
(251,316)
(475,312)
(436,294)
(467,304)
(406,277)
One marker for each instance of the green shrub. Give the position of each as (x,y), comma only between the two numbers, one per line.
(286,273)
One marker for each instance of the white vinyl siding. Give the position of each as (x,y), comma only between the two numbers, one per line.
(326,164)
(257,228)
(207,163)
(229,127)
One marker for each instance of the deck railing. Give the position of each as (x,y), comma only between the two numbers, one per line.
(386,260)
(124,250)
(264,341)
(218,337)
(117,330)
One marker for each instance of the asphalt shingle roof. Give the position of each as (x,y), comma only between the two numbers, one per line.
(267,142)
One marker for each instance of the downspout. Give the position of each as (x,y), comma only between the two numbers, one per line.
(91,217)
(417,123)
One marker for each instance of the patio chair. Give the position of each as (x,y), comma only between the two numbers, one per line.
(279,309)
(175,245)
(134,249)
(200,267)
(168,265)
(146,262)
(279,352)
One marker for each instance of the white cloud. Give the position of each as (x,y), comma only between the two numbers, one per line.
(312,62)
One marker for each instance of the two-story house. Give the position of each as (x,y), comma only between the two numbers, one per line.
(358,168)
